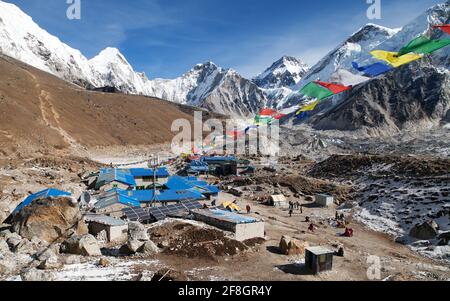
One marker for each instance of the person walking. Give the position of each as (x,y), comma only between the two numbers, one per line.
(249,209)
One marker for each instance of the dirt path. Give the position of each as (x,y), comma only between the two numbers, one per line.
(51,117)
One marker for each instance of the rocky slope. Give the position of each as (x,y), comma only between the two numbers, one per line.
(414,95)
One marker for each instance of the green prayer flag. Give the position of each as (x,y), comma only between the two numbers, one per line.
(316,91)
(424,45)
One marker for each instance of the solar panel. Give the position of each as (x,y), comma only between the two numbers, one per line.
(137,214)
(157,213)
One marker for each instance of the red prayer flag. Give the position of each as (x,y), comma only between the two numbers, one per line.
(268,112)
(445,28)
(336,89)
(279,116)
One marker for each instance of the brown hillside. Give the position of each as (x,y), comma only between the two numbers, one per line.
(39,112)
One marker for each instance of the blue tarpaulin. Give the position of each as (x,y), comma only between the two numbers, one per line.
(373,70)
(41,195)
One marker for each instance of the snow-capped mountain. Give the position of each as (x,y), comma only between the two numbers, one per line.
(211,87)
(357,47)
(436,15)
(206,86)
(24,40)
(278,80)
(111,68)
(284,73)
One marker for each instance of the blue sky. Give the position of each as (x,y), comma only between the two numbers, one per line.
(166,38)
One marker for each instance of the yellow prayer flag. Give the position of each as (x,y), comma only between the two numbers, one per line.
(393,58)
(309,107)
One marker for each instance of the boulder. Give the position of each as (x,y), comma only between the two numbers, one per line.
(7,266)
(284,244)
(5,234)
(4,247)
(149,248)
(72,259)
(137,231)
(49,219)
(134,245)
(46,254)
(13,241)
(424,231)
(103,262)
(36,275)
(51,263)
(25,247)
(85,245)
(290,246)
(297,247)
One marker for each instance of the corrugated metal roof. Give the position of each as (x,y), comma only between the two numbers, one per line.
(191,183)
(162,196)
(148,172)
(51,192)
(110,175)
(115,196)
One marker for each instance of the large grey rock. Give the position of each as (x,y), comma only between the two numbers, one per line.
(134,245)
(4,248)
(137,231)
(51,263)
(46,254)
(13,241)
(49,219)
(7,266)
(149,248)
(36,275)
(25,247)
(85,245)
(427,230)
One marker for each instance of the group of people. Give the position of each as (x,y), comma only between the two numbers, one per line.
(295,206)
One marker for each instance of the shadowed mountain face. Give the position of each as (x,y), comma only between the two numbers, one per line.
(415,95)
(40,112)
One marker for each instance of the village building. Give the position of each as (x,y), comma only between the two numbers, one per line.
(112,202)
(116,230)
(278,200)
(243,227)
(146,177)
(324,200)
(114,178)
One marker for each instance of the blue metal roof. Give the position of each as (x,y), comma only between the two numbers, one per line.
(162,196)
(115,196)
(148,172)
(192,184)
(51,192)
(110,175)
